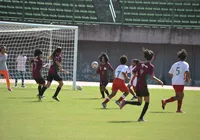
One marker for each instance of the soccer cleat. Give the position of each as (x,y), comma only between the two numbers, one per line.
(10,90)
(180,111)
(134,97)
(163,104)
(39,98)
(141,120)
(42,96)
(23,86)
(56,98)
(122,104)
(117,102)
(104,105)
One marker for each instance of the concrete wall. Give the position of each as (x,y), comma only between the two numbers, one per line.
(114,33)
(165,57)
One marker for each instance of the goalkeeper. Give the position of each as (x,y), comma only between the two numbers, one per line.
(3,66)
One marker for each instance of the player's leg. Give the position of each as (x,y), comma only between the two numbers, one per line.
(101,88)
(123,88)
(22,77)
(145,108)
(172,99)
(137,103)
(16,78)
(57,91)
(60,81)
(105,84)
(6,76)
(180,100)
(109,98)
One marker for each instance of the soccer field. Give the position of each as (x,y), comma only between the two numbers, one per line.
(79,116)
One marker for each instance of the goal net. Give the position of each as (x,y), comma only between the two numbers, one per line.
(25,37)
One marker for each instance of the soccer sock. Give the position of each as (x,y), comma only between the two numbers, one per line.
(42,91)
(22,81)
(172,99)
(102,94)
(131,91)
(133,103)
(145,108)
(8,82)
(106,91)
(39,89)
(15,81)
(121,98)
(106,100)
(179,105)
(57,91)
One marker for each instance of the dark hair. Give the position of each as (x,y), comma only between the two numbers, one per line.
(123,59)
(37,52)
(136,61)
(1,47)
(105,57)
(148,54)
(182,54)
(55,52)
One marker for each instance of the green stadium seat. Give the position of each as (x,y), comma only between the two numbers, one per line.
(83,10)
(179,13)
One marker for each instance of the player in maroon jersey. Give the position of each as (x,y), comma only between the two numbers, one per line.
(36,66)
(142,70)
(103,71)
(56,57)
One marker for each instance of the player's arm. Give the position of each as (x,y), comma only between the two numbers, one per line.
(31,64)
(125,76)
(188,76)
(157,80)
(171,71)
(60,68)
(97,72)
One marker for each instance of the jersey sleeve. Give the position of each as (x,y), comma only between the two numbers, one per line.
(124,70)
(110,67)
(187,67)
(98,69)
(128,70)
(151,71)
(171,71)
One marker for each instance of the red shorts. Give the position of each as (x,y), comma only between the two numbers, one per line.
(178,88)
(119,84)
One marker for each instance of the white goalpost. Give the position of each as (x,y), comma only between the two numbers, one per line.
(26,37)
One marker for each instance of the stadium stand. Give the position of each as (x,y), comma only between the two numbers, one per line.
(164,13)
(48,11)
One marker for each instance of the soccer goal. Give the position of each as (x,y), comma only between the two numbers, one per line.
(26,37)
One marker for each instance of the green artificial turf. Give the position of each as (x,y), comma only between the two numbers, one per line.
(79,116)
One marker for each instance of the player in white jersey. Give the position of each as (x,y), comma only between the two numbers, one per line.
(133,80)
(21,68)
(119,82)
(179,73)
(3,66)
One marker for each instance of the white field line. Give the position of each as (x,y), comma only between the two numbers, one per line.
(83,83)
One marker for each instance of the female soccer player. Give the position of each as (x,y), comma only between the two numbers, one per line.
(56,57)
(36,66)
(143,69)
(103,71)
(133,81)
(177,72)
(3,66)
(21,68)
(119,81)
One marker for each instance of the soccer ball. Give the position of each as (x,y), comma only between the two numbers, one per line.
(79,87)
(94,65)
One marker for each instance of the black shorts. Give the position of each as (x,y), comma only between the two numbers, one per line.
(39,80)
(142,93)
(55,77)
(103,83)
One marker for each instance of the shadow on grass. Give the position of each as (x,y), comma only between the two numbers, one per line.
(106,108)
(21,97)
(122,121)
(88,98)
(160,112)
